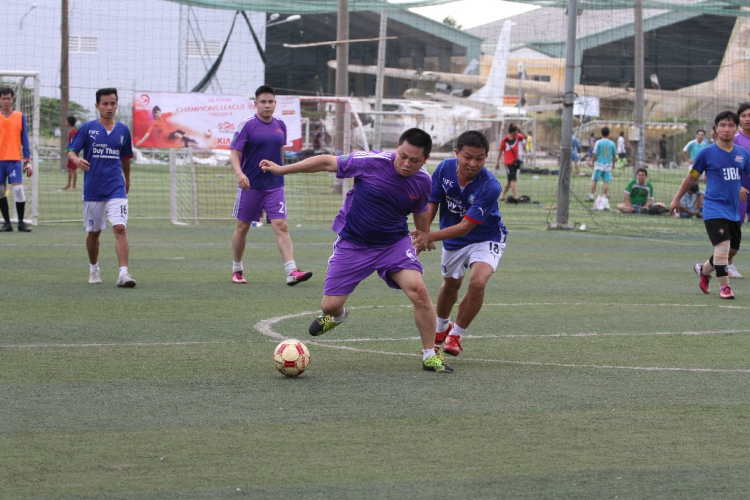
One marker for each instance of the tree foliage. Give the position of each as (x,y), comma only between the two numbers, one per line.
(49,115)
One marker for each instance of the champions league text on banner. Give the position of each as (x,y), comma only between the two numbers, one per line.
(205,121)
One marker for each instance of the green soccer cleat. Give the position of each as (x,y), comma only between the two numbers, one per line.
(325,323)
(435,364)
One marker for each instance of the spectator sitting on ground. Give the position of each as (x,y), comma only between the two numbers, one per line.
(639,195)
(691,203)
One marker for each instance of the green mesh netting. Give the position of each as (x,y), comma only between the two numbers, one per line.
(716,7)
(308,6)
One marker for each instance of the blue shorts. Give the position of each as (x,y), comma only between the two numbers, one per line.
(574,156)
(11,169)
(601,175)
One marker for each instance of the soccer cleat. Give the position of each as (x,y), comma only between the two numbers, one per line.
(726,292)
(23,227)
(325,323)
(94,278)
(452,345)
(440,336)
(7,228)
(125,281)
(435,364)
(703,284)
(298,277)
(238,277)
(733,272)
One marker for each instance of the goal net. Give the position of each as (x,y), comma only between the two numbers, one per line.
(202,185)
(25,85)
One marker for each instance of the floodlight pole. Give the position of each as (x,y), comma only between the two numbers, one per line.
(639,97)
(563,183)
(379,81)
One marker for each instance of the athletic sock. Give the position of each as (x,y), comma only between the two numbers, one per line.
(237,266)
(427,353)
(341,317)
(290,267)
(20,208)
(93,267)
(4,209)
(123,270)
(442,324)
(457,330)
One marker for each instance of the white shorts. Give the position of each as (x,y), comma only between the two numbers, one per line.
(95,213)
(454,263)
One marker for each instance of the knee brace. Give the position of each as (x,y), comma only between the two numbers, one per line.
(20,196)
(721,254)
(2,191)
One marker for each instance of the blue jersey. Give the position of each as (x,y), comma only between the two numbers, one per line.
(723,177)
(477,202)
(257,140)
(104,151)
(375,211)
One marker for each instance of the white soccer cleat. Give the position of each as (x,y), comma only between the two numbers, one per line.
(125,281)
(94,278)
(733,272)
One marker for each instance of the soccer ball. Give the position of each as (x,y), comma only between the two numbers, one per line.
(291,357)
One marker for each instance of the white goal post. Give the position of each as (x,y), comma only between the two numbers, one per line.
(29,105)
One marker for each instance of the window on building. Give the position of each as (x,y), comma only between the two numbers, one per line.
(83,44)
(203,48)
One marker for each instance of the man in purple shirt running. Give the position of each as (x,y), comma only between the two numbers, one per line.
(374,233)
(742,139)
(258,138)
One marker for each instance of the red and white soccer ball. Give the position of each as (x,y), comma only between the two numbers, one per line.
(291,357)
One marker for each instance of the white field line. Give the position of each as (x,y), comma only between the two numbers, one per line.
(265,327)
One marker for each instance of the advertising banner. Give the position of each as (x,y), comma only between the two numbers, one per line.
(205,121)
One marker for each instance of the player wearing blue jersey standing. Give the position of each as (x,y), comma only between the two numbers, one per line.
(373,230)
(107,150)
(723,163)
(472,232)
(604,163)
(258,138)
(14,140)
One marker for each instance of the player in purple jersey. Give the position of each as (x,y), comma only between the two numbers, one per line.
(107,150)
(722,162)
(374,233)
(472,232)
(742,139)
(258,138)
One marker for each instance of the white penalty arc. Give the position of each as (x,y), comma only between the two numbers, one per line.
(265,327)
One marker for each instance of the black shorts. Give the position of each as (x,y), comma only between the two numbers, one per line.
(721,230)
(512,170)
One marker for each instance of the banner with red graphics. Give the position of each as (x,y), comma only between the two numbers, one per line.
(205,121)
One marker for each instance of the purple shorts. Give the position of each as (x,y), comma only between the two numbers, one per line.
(744,212)
(250,204)
(350,264)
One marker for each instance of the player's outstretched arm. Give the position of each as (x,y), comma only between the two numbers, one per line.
(322,163)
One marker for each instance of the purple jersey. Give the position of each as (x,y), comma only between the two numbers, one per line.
(375,211)
(257,140)
(743,141)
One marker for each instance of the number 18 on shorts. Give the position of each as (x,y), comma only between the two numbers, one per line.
(454,263)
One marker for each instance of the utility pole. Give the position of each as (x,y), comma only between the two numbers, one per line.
(563,183)
(639,75)
(64,86)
